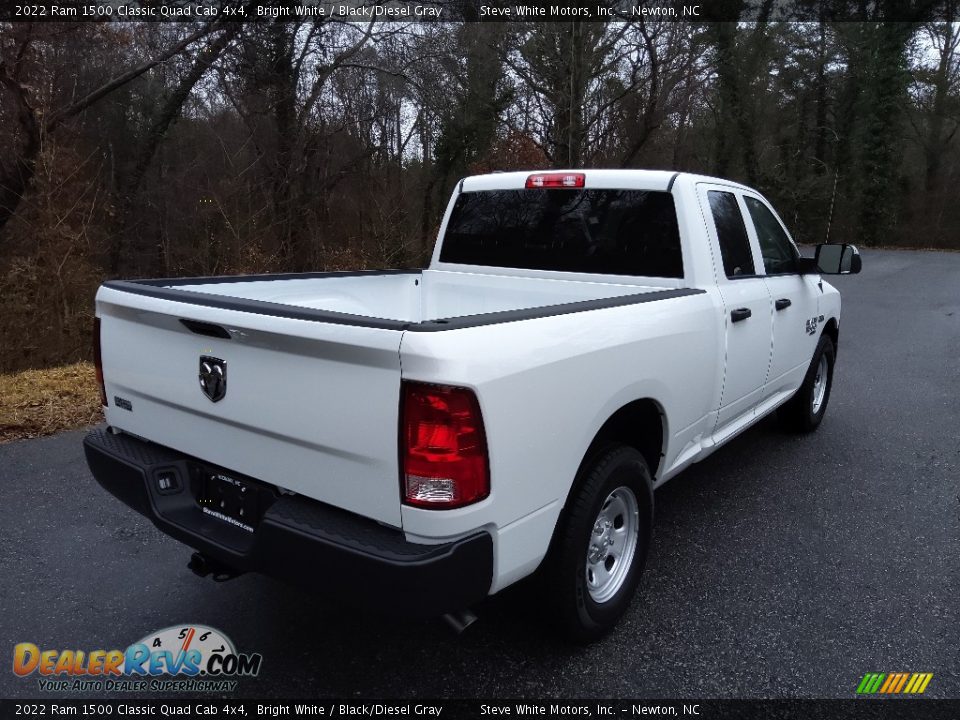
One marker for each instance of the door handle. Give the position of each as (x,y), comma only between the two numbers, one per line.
(782,303)
(740,314)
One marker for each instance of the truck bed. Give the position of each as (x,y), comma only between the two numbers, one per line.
(308,359)
(399,300)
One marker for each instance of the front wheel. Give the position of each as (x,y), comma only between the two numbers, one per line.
(804,411)
(601,544)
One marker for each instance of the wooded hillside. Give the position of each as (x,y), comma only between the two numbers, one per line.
(166,149)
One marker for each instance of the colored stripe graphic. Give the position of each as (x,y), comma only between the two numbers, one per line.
(913,683)
(894,683)
(903,681)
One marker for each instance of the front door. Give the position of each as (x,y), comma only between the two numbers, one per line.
(747,304)
(795,297)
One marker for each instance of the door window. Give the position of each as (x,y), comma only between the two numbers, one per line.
(732,234)
(779,253)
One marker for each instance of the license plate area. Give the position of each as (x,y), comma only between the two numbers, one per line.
(240,503)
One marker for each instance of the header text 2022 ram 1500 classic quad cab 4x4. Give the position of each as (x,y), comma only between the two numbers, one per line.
(423,439)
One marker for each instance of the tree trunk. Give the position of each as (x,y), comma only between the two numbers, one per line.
(15,177)
(880,151)
(820,148)
(282,90)
(729,93)
(935,139)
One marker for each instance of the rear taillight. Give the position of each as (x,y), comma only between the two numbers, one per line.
(556,180)
(98,361)
(444,449)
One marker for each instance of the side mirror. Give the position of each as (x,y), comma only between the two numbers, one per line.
(838,259)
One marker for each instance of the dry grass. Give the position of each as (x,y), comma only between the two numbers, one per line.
(34,403)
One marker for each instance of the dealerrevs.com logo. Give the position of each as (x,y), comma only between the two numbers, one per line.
(181,658)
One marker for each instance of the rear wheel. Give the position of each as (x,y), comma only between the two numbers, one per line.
(805,410)
(601,544)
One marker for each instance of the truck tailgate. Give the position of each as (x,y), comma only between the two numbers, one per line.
(309,406)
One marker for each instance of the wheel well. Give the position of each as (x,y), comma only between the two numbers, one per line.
(832,330)
(638,424)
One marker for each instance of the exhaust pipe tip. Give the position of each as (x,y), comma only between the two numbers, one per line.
(198,565)
(202,566)
(460,620)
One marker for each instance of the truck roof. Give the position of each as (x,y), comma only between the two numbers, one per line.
(595,178)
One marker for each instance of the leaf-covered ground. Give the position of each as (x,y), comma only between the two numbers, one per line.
(34,403)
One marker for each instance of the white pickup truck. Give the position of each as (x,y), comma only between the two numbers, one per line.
(423,439)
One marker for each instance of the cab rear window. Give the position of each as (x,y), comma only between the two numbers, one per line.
(611,232)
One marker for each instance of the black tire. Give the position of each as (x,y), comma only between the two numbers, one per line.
(798,413)
(565,583)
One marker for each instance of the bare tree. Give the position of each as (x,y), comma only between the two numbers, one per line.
(16,173)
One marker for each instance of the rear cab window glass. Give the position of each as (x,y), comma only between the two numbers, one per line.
(732,234)
(612,232)
(779,253)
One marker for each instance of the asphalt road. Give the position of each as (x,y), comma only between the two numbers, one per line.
(782,566)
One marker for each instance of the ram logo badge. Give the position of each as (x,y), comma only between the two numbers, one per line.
(213,377)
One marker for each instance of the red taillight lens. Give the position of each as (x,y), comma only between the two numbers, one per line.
(98,361)
(444,449)
(556,180)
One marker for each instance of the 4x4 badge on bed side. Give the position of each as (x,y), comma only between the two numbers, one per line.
(812,324)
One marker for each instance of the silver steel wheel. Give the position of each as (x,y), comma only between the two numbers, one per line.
(612,544)
(820,384)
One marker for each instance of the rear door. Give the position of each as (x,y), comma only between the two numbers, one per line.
(747,306)
(794,296)
(311,407)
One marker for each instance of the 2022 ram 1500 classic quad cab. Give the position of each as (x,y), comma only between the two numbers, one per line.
(424,439)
